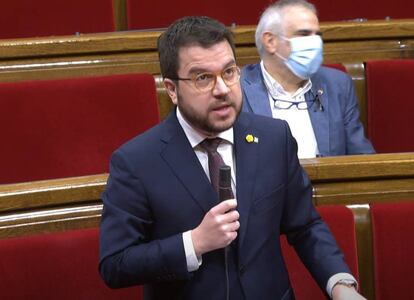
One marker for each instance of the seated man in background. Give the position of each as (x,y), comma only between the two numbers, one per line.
(289,83)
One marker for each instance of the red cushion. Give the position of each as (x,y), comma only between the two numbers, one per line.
(341,222)
(390,109)
(70,127)
(157,13)
(369,9)
(61,266)
(393,239)
(28,18)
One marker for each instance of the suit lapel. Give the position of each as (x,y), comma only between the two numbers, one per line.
(255,92)
(319,115)
(180,156)
(246,154)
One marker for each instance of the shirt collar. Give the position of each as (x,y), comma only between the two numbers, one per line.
(277,91)
(195,137)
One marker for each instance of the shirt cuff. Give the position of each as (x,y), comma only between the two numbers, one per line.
(335,278)
(193,262)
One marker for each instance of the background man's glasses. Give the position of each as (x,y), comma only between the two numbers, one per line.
(284,104)
(205,82)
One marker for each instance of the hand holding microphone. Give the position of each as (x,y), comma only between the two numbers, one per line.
(219,226)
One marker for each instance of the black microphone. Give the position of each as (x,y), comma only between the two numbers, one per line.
(224,186)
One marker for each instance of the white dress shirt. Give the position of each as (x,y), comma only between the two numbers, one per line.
(299,120)
(225,149)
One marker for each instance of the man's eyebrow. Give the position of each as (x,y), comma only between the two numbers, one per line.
(198,70)
(305,32)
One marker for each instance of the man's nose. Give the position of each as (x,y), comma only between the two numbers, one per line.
(220,87)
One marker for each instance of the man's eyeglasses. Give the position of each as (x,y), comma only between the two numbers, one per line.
(205,82)
(301,105)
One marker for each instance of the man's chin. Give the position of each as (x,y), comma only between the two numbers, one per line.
(220,126)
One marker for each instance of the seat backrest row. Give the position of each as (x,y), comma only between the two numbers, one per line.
(64,265)
(70,127)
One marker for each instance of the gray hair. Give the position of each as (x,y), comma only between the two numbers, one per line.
(271,19)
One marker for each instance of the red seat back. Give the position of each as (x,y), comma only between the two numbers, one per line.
(70,127)
(61,266)
(389,105)
(341,222)
(156,13)
(28,18)
(393,243)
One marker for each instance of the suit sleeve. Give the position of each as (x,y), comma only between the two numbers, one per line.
(128,254)
(304,228)
(357,143)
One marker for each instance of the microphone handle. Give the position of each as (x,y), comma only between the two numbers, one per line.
(225,193)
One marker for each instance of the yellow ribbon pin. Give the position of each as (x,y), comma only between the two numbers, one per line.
(249,138)
(252,139)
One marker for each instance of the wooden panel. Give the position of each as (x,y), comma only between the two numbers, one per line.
(49,193)
(164,101)
(359,167)
(49,220)
(120,15)
(357,73)
(360,192)
(363,229)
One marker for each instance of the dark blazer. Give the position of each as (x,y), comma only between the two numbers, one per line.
(157,190)
(335,120)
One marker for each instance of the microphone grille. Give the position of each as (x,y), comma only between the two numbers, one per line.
(225,176)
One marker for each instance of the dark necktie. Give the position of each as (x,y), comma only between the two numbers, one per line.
(215,161)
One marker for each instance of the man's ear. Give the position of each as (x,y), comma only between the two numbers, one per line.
(171,89)
(270,42)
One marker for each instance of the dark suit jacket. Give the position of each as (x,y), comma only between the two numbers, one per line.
(338,129)
(157,190)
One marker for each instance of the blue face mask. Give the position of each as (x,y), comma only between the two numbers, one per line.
(306,55)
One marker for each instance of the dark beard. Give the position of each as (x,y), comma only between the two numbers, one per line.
(202,123)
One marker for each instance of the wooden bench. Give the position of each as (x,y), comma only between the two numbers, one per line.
(355,181)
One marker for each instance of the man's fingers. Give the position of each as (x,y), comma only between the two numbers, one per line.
(224,206)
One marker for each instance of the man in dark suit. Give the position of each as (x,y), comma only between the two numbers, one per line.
(162,223)
(289,83)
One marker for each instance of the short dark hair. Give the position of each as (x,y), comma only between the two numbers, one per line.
(192,30)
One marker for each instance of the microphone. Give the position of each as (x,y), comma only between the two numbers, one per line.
(224,186)
(317,98)
(225,193)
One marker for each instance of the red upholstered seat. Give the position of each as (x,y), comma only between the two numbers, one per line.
(158,13)
(389,105)
(393,239)
(61,265)
(63,128)
(341,222)
(28,18)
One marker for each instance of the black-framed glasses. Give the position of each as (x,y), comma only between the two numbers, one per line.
(206,81)
(285,104)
